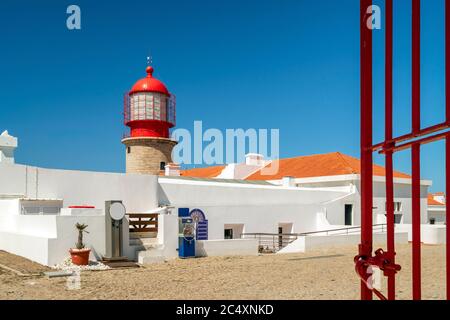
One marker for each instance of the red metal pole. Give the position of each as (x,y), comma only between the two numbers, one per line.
(447,141)
(365,248)
(416,272)
(415,66)
(447,60)
(388,136)
(447,208)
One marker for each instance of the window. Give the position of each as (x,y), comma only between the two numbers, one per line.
(228,234)
(40,210)
(162,166)
(233,231)
(397,206)
(129,149)
(397,218)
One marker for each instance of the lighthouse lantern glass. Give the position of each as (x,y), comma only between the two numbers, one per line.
(148,106)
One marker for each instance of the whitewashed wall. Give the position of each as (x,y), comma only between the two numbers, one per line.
(258,208)
(138,192)
(402,193)
(438,213)
(307,243)
(47,238)
(230,247)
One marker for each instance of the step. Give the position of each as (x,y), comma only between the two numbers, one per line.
(150,256)
(143,241)
(121,264)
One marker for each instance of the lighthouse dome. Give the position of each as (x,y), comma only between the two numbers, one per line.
(149,84)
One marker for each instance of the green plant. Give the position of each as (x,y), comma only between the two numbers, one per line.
(81,228)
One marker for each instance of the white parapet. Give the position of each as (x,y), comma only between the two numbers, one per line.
(306,243)
(429,233)
(81,212)
(228,247)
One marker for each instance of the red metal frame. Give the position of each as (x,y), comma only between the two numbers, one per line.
(365,248)
(390,220)
(418,136)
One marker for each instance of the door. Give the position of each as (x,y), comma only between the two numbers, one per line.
(348,214)
(280,238)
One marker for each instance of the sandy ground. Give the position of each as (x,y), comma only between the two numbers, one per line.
(321,274)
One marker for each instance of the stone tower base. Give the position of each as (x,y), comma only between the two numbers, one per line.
(147,155)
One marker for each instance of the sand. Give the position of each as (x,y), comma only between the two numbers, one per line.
(320,274)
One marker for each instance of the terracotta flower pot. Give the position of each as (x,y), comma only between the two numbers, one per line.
(80,257)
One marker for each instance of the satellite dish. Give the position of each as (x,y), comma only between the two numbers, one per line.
(117,211)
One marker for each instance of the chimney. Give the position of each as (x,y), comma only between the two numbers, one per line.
(254,159)
(172,169)
(288,182)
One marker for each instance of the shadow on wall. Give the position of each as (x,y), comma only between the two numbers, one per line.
(162,197)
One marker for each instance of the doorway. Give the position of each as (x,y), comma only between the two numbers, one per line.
(284,229)
(348,214)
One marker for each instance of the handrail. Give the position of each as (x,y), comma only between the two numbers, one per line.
(308,233)
(272,242)
(340,229)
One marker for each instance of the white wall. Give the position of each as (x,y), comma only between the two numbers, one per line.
(258,208)
(402,193)
(8,207)
(437,213)
(232,247)
(67,236)
(306,243)
(47,238)
(429,234)
(30,247)
(168,234)
(138,192)
(336,210)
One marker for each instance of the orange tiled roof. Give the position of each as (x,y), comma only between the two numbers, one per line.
(207,172)
(330,164)
(432,201)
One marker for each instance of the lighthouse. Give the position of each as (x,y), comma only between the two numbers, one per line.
(149,112)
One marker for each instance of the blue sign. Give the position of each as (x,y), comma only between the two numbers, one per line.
(201,232)
(183,212)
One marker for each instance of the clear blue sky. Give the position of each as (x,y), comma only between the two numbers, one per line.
(292,65)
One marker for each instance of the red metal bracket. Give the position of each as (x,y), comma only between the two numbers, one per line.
(382,260)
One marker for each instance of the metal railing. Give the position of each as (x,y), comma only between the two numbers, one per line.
(274,242)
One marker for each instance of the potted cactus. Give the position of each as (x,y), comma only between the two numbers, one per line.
(80,254)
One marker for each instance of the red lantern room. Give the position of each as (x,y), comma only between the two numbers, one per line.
(149,108)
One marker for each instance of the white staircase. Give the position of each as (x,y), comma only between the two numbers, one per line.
(148,250)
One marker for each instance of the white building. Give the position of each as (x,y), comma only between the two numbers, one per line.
(36,220)
(333,171)
(436,208)
(291,204)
